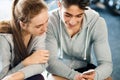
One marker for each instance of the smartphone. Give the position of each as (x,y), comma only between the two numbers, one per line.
(88,72)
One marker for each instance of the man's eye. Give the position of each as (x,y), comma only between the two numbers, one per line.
(78,16)
(67,15)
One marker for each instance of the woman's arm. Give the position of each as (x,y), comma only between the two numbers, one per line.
(26,72)
(36,63)
(38,57)
(5,56)
(32,65)
(15,76)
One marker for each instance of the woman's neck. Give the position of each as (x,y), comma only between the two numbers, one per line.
(26,38)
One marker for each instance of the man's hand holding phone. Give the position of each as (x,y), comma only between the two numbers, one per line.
(89,75)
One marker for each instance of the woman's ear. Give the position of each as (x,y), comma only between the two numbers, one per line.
(23,25)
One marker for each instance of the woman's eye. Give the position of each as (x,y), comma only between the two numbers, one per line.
(37,26)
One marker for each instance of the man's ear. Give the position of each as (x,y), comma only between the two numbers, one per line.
(59,4)
(23,25)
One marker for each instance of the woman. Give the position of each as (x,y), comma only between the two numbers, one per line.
(22,47)
(73,29)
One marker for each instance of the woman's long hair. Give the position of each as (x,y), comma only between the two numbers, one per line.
(24,11)
(5,27)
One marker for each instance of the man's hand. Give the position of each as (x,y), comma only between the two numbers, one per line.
(89,75)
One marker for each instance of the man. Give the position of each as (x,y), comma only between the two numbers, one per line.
(72,31)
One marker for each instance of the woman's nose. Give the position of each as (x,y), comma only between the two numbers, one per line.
(44,28)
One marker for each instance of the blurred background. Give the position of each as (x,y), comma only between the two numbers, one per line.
(108,9)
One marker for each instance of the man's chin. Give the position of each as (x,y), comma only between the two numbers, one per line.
(70,26)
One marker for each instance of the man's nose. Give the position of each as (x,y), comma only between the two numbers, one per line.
(72,21)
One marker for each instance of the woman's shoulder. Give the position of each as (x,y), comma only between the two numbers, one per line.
(39,38)
(6,36)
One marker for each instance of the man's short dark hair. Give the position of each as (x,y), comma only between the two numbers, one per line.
(82,4)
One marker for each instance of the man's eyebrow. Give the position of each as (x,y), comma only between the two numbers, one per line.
(73,15)
(68,13)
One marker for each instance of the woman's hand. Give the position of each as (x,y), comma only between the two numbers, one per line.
(38,57)
(15,76)
(8,78)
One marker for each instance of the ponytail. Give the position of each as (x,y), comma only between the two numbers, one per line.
(20,51)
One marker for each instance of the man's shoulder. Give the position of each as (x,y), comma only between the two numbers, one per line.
(54,13)
(91,11)
(54,17)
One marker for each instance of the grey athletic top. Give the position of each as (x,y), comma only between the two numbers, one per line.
(7,55)
(69,53)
